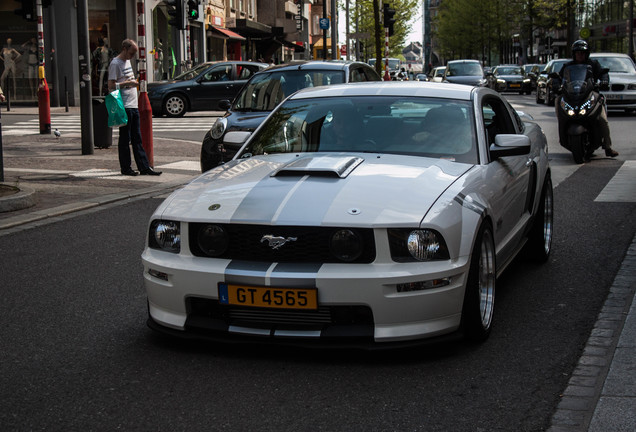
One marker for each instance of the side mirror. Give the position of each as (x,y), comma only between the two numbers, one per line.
(225,104)
(509,145)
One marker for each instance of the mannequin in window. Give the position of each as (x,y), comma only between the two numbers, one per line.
(101,56)
(31,52)
(159,61)
(9,56)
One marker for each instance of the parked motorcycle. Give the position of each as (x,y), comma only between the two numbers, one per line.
(579,107)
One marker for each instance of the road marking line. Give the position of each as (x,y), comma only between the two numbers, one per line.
(622,187)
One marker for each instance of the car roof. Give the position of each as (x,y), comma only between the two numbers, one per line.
(606,54)
(314,65)
(463,61)
(391,88)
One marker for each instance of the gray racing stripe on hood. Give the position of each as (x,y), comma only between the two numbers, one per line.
(289,200)
(281,275)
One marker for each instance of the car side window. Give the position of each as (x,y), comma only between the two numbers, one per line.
(357,75)
(219,73)
(246,71)
(496,119)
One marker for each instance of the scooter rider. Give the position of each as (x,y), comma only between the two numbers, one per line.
(581,55)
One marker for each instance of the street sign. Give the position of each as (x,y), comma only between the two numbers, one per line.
(324,23)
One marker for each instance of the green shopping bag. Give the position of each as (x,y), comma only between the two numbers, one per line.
(116,112)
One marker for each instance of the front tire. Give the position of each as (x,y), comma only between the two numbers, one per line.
(539,243)
(479,299)
(539,100)
(174,106)
(576,147)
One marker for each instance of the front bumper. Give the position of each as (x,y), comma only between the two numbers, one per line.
(358,303)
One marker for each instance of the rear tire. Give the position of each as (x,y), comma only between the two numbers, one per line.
(479,298)
(539,243)
(576,147)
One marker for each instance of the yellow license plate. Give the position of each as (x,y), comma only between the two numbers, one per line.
(268,297)
(515,85)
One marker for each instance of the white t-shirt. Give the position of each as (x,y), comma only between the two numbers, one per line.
(120,71)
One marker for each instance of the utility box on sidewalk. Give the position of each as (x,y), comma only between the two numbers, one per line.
(102,133)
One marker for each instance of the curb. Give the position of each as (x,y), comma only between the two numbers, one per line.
(22,199)
(578,409)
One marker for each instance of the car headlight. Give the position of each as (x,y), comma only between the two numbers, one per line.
(417,245)
(631,87)
(216,132)
(165,235)
(346,245)
(526,80)
(501,81)
(213,240)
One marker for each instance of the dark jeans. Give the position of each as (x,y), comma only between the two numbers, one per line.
(131,133)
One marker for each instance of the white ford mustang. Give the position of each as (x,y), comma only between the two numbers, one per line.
(371,214)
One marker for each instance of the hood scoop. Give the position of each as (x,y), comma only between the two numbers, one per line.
(324,166)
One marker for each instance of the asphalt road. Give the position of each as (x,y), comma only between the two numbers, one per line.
(75,352)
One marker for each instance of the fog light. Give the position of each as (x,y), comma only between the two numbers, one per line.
(423,285)
(346,245)
(158,274)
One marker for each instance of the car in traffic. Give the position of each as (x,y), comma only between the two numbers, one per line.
(532,71)
(393,63)
(622,80)
(420,77)
(263,92)
(200,88)
(437,74)
(468,72)
(512,78)
(366,214)
(547,87)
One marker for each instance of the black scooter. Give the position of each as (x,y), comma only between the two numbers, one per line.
(579,106)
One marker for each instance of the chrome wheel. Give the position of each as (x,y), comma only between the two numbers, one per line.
(486,280)
(174,106)
(548,215)
(479,299)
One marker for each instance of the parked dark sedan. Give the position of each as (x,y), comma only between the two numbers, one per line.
(468,72)
(201,88)
(547,87)
(512,78)
(264,91)
(532,71)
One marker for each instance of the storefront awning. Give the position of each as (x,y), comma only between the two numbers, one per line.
(228,33)
(295,46)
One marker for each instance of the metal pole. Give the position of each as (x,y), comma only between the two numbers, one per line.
(324,32)
(347,33)
(1,157)
(334,30)
(631,29)
(145,110)
(44,101)
(86,96)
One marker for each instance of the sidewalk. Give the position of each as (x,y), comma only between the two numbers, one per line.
(54,178)
(600,397)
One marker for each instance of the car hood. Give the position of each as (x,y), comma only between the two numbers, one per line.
(246,121)
(469,80)
(316,189)
(510,77)
(622,78)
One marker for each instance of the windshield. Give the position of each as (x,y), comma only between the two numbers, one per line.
(616,64)
(266,90)
(464,69)
(429,127)
(192,73)
(508,71)
(577,79)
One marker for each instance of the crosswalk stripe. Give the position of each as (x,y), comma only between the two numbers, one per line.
(622,187)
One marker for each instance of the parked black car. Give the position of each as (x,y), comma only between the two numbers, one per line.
(467,72)
(547,87)
(512,78)
(263,92)
(201,88)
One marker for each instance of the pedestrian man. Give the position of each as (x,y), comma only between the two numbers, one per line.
(121,75)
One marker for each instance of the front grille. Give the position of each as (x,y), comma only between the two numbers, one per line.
(312,244)
(210,314)
(618,87)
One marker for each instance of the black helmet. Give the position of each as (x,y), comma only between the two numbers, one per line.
(581,45)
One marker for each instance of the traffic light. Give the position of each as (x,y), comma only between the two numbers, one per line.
(193,10)
(27,10)
(389,19)
(177,12)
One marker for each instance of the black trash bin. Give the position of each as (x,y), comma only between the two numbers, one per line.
(102,133)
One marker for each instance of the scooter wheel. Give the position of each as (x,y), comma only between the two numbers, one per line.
(576,146)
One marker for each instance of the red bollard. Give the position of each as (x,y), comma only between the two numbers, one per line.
(145,120)
(44,107)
